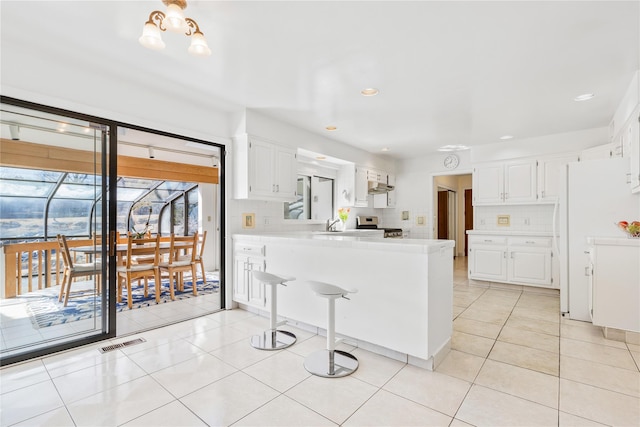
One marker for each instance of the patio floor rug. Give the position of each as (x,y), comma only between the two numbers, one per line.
(45,310)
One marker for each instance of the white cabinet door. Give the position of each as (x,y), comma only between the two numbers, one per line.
(361,188)
(257,295)
(488,184)
(632,139)
(529,266)
(261,169)
(520,181)
(285,172)
(549,171)
(616,294)
(240,283)
(487,262)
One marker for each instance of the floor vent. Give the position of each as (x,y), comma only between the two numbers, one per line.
(122,345)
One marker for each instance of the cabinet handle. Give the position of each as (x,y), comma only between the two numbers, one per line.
(488,240)
(504,255)
(586,271)
(543,193)
(511,255)
(628,178)
(530,242)
(277,188)
(506,196)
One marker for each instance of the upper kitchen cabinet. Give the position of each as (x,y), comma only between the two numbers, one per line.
(361,187)
(549,173)
(512,182)
(264,170)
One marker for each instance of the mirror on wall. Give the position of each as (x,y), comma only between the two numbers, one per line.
(314,200)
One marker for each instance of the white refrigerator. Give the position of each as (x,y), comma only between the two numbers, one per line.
(594,197)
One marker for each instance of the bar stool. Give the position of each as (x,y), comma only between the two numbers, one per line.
(273,339)
(331,363)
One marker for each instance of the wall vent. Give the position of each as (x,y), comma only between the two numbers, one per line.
(121,345)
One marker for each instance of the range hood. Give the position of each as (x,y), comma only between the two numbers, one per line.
(379,187)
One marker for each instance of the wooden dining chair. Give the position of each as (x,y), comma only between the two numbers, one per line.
(182,258)
(73,269)
(131,270)
(199,254)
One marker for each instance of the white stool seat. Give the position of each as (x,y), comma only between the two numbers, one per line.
(271,279)
(273,338)
(330,363)
(322,288)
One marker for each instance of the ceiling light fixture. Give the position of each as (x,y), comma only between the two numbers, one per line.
(370,91)
(454,147)
(173,20)
(385,149)
(583,97)
(331,128)
(505,137)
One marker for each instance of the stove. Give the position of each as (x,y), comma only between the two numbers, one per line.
(371,223)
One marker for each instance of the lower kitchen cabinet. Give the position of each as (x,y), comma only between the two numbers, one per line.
(519,260)
(488,258)
(614,283)
(246,259)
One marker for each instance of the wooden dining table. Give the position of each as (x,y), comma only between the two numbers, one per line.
(121,249)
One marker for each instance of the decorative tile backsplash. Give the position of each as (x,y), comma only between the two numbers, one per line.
(520,218)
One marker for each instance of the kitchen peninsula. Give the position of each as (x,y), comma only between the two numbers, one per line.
(403,307)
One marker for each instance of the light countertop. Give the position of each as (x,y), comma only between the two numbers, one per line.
(346,239)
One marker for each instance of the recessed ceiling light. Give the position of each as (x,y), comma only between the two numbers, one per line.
(584,97)
(385,149)
(370,91)
(505,137)
(453,147)
(331,128)
(321,158)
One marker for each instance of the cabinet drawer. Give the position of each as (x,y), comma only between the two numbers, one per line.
(249,249)
(540,242)
(487,240)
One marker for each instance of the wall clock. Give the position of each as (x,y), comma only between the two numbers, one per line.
(451,161)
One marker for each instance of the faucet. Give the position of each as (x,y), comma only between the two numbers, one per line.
(331,224)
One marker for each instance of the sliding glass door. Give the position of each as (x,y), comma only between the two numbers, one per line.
(55,204)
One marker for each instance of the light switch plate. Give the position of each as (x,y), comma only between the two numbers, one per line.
(405,215)
(504,220)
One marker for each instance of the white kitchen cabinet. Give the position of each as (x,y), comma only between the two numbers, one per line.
(248,257)
(615,275)
(529,261)
(361,188)
(549,172)
(604,151)
(376,176)
(264,170)
(522,260)
(512,182)
(630,140)
(488,258)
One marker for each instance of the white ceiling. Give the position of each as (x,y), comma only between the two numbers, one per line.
(448,72)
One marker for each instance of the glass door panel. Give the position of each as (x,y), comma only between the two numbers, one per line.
(53,229)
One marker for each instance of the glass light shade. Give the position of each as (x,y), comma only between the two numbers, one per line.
(174,19)
(151,37)
(199,45)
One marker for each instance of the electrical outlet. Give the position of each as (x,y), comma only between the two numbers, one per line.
(482,221)
(266,220)
(420,220)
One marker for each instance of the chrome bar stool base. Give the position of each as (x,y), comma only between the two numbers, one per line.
(273,340)
(320,363)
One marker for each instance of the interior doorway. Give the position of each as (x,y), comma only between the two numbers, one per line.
(453,209)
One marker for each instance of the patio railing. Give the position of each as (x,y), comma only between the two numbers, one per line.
(34,266)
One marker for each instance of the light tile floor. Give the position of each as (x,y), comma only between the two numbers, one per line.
(514,361)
